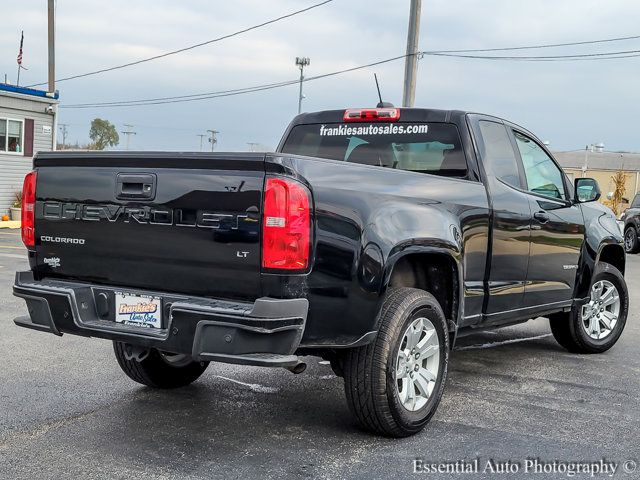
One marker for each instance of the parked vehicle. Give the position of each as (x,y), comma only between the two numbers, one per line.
(373,238)
(631,223)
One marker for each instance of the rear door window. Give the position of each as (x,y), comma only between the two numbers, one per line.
(497,153)
(433,148)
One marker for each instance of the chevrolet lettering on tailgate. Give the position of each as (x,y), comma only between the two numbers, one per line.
(143,215)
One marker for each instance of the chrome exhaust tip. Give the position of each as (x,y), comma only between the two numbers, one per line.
(298,368)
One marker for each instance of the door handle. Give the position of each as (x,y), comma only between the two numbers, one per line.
(541,216)
(135,186)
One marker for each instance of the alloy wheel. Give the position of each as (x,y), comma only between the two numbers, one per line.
(600,314)
(628,239)
(417,364)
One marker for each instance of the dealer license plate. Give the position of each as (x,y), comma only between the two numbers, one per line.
(139,310)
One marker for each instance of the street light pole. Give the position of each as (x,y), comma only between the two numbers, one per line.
(411,60)
(301,62)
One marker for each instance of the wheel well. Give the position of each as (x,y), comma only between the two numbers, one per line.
(433,272)
(613,255)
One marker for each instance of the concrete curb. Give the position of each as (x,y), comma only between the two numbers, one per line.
(10,224)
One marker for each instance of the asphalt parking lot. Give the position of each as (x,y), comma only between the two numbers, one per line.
(67,411)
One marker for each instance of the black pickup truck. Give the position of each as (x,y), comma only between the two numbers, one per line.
(372,238)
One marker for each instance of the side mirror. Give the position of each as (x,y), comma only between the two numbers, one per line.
(587,190)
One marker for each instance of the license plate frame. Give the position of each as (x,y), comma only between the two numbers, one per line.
(138,309)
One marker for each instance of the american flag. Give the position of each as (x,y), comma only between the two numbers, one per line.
(20,52)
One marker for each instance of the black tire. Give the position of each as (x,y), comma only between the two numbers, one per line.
(631,243)
(568,330)
(369,371)
(155,371)
(337,365)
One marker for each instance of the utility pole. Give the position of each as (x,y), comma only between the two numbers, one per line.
(411,60)
(63,130)
(201,135)
(52,46)
(128,132)
(301,62)
(252,146)
(213,140)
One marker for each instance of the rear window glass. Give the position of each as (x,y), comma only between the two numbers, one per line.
(417,147)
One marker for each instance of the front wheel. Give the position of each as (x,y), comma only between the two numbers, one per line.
(631,243)
(595,326)
(159,369)
(395,384)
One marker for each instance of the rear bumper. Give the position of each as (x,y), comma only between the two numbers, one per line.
(266,332)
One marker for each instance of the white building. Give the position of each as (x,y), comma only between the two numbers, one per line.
(27,125)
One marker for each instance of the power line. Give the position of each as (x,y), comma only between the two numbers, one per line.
(297,12)
(140,103)
(498,49)
(176,97)
(575,59)
(548,45)
(226,93)
(190,47)
(538,57)
(270,86)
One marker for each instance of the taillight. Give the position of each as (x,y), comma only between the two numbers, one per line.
(28,209)
(371,115)
(286,225)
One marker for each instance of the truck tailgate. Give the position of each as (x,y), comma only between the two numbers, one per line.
(160,221)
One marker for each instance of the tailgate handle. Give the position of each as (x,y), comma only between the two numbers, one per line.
(140,186)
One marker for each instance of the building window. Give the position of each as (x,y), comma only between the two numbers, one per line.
(11,135)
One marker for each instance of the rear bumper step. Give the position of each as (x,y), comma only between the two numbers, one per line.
(266,332)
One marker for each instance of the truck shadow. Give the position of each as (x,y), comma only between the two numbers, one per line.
(273,420)
(244,412)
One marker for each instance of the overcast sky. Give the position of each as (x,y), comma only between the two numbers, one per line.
(568,103)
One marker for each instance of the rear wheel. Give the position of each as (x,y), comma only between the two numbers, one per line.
(159,369)
(395,384)
(595,326)
(631,243)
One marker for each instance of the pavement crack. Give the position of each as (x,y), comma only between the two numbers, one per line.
(43,429)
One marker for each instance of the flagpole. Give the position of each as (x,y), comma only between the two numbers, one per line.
(19,60)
